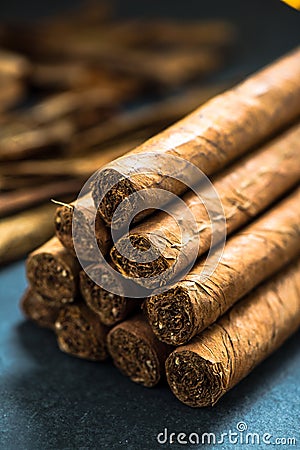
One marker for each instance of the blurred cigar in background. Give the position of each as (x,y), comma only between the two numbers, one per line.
(25,231)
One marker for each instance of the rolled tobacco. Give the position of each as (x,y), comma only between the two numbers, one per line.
(200,372)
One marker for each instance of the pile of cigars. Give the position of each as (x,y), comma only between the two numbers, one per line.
(81,89)
(203,336)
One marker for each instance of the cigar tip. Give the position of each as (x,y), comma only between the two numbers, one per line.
(109,307)
(78,334)
(171,315)
(126,257)
(109,192)
(38,309)
(51,277)
(194,380)
(134,356)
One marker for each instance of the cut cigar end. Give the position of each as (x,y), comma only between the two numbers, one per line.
(134,356)
(51,278)
(111,308)
(171,315)
(80,334)
(38,310)
(128,266)
(63,226)
(194,380)
(119,188)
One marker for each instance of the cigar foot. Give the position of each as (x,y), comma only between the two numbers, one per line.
(49,276)
(194,380)
(118,191)
(63,226)
(127,265)
(38,309)
(136,353)
(111,308)
(80,334)
(53,272)
(172,315)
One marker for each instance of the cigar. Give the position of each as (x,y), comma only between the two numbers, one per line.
(204,33)
(13,183)
(15,201)
(201,372)
(80,333)
(66,75)
(36,39)
(77,166)
(157,114)
(246,114)
(162,34)
(23,232)
(102,95)
(20,140)
(13,65)
(249,257)
(53,272)
(167,69)
(119,48)
(111,308)
(86,230)
(136,352)
(38,309)
(245,189)
(12,91)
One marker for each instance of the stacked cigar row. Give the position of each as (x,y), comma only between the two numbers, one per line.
(204,333)
(73,85)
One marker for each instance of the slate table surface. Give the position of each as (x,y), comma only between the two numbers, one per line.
(49,400)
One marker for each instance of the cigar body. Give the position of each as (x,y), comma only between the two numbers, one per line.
(249,257)
(223,129)
(200,372)
(39,309)
(11,93)
(53,272)
(21,140)
(245,189)
(158,115)
(13,65)
(15,201)
(136,352)
(23,232)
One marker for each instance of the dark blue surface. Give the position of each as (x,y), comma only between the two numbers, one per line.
(50,400)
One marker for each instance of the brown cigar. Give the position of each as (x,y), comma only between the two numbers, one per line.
(23,232)
(13,65)
(79,167)
(80,333)
(200,372)
(111,308)
(20,140)
(11,93)
(86,217)
(218,132)
(39,309)
(249,257)
(245,189)
(136,352)
(53,272)
(158,114)
(19,200)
